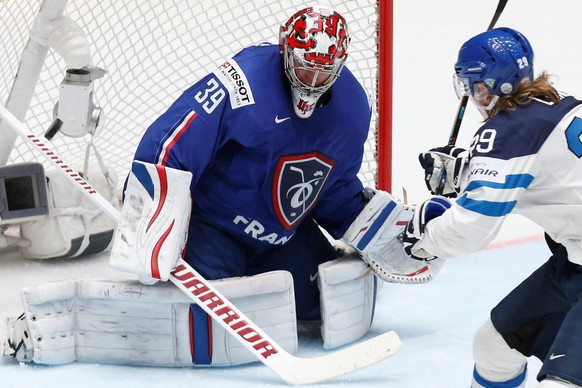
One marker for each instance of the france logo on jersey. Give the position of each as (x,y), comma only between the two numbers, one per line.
(299,180)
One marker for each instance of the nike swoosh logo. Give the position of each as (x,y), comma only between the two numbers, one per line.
(313,277)
(279,121)
(554,356)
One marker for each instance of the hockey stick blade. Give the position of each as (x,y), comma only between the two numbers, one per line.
(293,370)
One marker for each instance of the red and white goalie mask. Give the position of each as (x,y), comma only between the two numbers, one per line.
(314,43)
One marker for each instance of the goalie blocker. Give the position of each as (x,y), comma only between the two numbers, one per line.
(152,232)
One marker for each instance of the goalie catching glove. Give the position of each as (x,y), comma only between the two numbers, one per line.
(450,158)
(152,232)
(375,234)
(430,209)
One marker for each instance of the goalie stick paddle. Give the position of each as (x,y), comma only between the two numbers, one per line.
(464,100)
(293,370)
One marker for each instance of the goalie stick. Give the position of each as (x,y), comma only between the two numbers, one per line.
(293,370)
(463,103)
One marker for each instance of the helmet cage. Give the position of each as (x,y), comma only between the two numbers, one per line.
(313,40)
(294,61)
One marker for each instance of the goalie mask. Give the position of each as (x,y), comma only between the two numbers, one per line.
(313,42)
(492,64)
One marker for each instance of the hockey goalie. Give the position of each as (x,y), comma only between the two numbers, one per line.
(240,175)
(150,322)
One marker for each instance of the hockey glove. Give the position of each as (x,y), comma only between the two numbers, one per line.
(446,163)
(414,232)
(153,229)
(375,234)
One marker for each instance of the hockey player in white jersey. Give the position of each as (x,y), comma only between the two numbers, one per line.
(525,159)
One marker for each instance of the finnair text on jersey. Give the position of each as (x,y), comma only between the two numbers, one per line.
(484,171)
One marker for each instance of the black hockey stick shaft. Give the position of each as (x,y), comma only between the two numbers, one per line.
(465,99)
(498,11)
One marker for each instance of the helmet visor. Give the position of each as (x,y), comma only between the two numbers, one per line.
(461,86)
(482,93)
(479,90)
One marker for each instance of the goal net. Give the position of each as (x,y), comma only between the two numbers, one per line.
(152,50)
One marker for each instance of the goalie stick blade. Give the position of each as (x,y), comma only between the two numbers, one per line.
(297,370)
(294,370)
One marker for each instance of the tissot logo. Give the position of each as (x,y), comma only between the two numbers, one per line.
(235,80)
(298,182)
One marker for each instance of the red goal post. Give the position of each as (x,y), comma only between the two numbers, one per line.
(154,49)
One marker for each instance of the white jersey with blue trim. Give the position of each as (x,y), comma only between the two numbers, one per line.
(526,162)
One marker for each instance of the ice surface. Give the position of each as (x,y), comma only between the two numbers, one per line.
(435,321)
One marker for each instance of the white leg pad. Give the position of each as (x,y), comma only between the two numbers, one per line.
(347,299)
(133,324)
(495,361)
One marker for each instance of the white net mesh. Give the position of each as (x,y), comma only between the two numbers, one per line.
(152,51)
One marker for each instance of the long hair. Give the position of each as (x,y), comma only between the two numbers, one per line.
(541,88)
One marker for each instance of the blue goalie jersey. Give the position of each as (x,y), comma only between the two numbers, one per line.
(257,168)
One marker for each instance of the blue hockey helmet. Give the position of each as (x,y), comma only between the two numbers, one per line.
(500,59)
